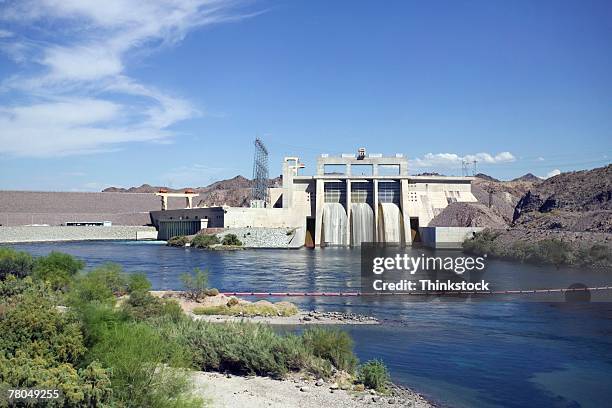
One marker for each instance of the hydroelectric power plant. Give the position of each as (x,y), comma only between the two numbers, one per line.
(351,198)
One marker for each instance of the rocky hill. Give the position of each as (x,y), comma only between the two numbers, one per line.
(575,201)
(529,177)
(495,208)
(233,192)
(468,215)
(485,177)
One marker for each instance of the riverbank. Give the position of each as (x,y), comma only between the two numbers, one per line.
(556,247)
(258,392)
(60,233)
(280,313)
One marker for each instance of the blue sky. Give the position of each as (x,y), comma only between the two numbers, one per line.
(173,92)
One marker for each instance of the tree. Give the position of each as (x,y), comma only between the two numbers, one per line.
(195,283)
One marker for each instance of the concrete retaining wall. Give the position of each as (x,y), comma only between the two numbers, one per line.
(446,237)
(63,233)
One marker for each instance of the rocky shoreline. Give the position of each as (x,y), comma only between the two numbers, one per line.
(301,318)
(258,392)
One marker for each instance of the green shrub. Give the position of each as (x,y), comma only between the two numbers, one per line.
(31,323)
(12,286)
(42,345)
(374,374)
(231,239)
(85,387)
(179,241)
(141,305)
(101,284)
(97,319)
(554,251)
(482,243)
(57,269)
(600,253)
(244,348)
(261,308)
(195,283)
(333,345)
(204,241)
(19,264)
(145,367)
(211,292)
(138,282)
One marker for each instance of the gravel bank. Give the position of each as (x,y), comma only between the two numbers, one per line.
(266,237)
(258,392)
(63,233)
(302,318)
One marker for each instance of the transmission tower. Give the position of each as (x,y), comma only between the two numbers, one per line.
(260,172)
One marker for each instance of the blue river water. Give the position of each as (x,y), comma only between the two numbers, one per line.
(460,354)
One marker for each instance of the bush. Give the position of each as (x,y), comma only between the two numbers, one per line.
(244,348)
(374,374)
(19,264)
(600,253)
(211,292)
(231,239)
(195,283)
(482,243)
(101,285)
(333,345)
(179,241)
(85,387)
(12,286)
(141,305)
(554,251)
(57,269)
(204,241)
(32,324)
(42,345)
(138,282)
(145,367)
(261,308)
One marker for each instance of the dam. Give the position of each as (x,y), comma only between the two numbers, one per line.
(351,199)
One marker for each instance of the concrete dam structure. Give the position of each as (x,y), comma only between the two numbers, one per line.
(351,199)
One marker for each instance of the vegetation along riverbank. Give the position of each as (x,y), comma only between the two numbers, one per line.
(101,338)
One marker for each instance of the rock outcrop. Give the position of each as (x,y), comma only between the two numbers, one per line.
(575,201)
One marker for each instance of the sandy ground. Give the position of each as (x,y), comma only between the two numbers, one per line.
(258,392)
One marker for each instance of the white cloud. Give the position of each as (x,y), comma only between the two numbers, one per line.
(69,127)
(452,160)
(552,173)
(540,158)
(81,55)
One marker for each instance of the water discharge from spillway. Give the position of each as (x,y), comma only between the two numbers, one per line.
(362,223)
(390,227)
(335,224)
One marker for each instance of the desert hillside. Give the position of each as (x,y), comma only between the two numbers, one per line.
(234,192)
(578,201)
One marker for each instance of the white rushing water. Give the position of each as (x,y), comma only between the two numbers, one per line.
(362,223)
(390,223)
(334,224)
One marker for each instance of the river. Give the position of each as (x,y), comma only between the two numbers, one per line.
(461,354)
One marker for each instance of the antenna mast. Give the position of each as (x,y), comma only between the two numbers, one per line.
(260,172)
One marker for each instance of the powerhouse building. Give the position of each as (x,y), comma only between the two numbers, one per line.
(352,198)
